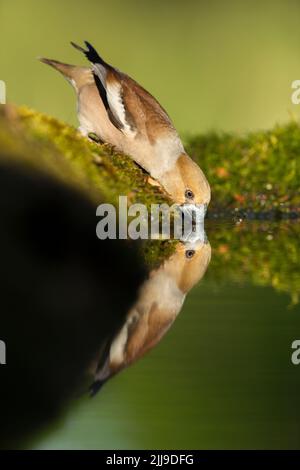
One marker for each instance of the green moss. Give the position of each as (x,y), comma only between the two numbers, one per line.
(112,174)
(258,172)
(154,256)
(50,146)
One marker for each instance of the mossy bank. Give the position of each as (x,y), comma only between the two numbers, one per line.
(54,148)
(255,174)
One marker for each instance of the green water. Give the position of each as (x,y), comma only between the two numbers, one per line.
(222,377)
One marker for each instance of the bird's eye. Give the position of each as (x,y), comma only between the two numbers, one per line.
(189,194)
(189,254)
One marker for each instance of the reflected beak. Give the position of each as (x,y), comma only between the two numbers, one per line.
(195,237)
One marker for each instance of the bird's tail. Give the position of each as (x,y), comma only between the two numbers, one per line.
(91,53)
(66,69)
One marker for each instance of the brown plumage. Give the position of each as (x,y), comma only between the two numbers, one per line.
(121,112)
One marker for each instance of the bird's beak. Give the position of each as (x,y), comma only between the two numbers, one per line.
(193,222)
(195,237)
(195,212)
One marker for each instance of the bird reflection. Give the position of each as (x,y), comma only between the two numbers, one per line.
(159,301)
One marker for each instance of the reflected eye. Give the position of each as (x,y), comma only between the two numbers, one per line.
(189,254)
(189,194)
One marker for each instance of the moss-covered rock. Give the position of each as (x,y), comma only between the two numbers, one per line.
(53,146)
(258,173)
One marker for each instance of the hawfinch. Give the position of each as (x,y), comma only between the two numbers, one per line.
(120,112)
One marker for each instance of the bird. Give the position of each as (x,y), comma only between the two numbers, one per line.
(120,112)
(159,301)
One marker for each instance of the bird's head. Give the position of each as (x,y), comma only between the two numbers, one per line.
(189,263)
(185,182)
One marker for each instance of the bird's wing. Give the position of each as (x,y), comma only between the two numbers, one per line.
(148,331)
(129,106)
(116,98)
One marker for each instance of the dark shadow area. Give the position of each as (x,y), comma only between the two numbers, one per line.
(64,294)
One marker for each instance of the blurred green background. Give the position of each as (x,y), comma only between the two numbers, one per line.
(222,377)
(221,65)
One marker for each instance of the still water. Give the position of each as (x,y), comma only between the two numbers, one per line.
(222,376)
